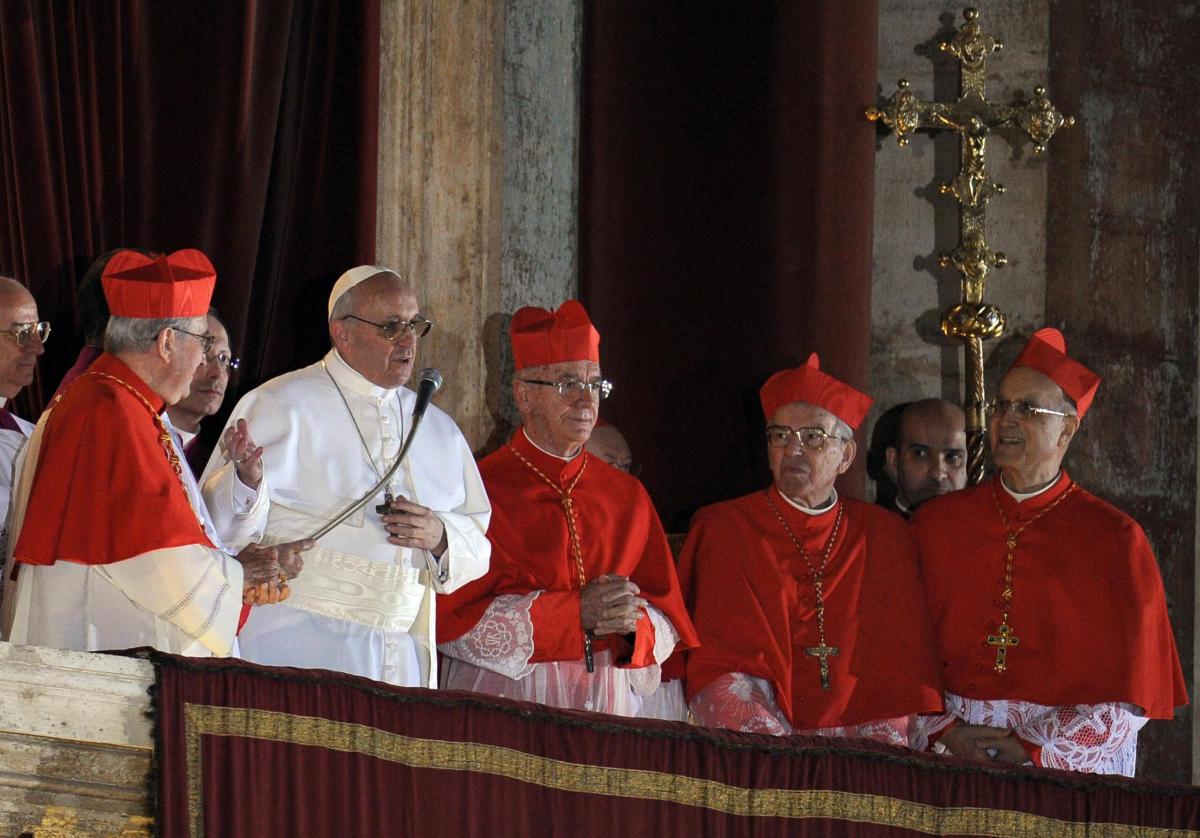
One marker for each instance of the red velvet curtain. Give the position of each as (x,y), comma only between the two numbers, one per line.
(246,128)
(727,177)
(264,751)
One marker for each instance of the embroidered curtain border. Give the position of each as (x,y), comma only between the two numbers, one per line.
(225,728)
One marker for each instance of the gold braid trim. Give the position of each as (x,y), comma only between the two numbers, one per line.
(494,760)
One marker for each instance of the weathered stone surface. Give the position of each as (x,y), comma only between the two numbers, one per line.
(540,238)
(440,182)
(1123,270)
(75,743)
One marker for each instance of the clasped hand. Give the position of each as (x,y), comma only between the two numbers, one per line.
(996,744)
(266,570)
(610,604)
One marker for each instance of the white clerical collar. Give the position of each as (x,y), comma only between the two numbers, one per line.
(529,439)
(186,436)
(351,379)
(1021,497)
(900,505)
(3,401)
(808,510)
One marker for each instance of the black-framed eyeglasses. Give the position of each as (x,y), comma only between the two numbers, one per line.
(396,328)
(224,360)
(599,387)
(814,439)
(26,331)
(1023,410)
(206,341)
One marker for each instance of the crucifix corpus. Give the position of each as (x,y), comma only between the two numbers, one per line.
(973,118)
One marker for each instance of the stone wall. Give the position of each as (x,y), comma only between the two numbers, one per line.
(1123,270)
(75,743)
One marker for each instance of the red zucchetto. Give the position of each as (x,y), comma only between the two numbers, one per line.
(807,383)
(541,337)
(1046,353)
(178,285)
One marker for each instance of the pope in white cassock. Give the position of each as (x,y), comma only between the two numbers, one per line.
(113,546)
(363,601)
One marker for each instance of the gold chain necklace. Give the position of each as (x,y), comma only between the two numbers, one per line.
(823,651)
(164,435)
(1004,639)
(568,506)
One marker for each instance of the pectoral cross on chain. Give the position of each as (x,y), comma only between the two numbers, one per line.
(823,653)
(1002,641)
(385,508)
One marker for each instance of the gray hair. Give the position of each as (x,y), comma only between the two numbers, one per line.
(841,429)
(139,334)
(344,305)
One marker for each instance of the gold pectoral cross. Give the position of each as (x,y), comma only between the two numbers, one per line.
(823,653)
(1002,641)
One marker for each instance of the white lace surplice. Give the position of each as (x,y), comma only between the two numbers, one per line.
(494,658)
(1097,738)
(737,701)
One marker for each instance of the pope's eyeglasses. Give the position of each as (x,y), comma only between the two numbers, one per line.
(396,328)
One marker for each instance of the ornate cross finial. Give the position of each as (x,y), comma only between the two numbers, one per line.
(973,118)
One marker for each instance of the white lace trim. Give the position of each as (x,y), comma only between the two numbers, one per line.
(1096,738)
(738,701)
(502,640)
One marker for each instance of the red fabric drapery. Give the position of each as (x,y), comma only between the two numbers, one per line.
(246,129)
(727,178)
(248,750)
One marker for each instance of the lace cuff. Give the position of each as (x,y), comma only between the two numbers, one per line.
(737,701)
(502,640)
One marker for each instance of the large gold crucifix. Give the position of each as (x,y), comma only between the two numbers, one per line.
(973,118)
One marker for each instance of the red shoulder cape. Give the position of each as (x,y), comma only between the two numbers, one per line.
(752,599)
(104,489)
(619,532)
(1088,605)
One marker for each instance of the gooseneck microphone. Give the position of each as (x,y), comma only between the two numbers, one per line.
(429,381)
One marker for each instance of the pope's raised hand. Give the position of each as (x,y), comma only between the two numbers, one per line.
(243,453)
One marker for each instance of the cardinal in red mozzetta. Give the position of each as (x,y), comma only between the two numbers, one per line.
(581,604)
(809,606)
(114,546)
(1051,621)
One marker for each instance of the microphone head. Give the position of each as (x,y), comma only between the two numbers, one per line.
(431,377)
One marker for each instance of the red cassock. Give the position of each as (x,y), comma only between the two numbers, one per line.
(104,489)
(531,550)
(752,598)
(1088,608)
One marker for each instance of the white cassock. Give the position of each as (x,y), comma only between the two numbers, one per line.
(186,600)
(360,605)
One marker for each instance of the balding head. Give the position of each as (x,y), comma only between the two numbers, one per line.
(929,456)
(608,443)
(20,343)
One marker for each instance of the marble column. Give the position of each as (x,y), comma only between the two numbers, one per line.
(477,180)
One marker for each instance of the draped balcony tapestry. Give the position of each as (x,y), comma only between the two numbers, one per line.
(264,751)
(247,129)
(727,181)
